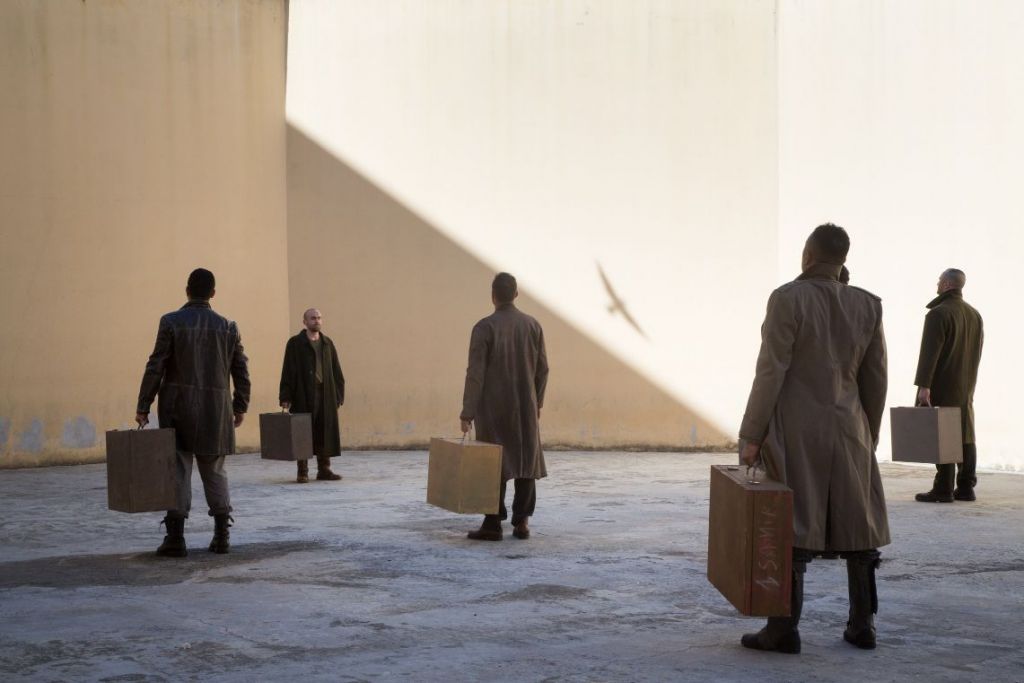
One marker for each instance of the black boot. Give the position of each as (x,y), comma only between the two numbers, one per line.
(966,476)
(781,634)
(942,486)
(302,473)
(860,574)
(221,536)
(174,541)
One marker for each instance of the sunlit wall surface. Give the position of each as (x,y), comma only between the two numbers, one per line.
(556,141)
(902,122)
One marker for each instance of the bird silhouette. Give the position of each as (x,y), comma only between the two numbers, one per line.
(618,305)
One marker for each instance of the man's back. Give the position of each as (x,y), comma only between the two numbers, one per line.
(950,350)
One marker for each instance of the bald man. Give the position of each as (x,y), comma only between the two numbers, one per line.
(947,370)
(311,382)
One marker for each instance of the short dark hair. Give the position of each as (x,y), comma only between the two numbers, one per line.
(955,277)
(504,288)
(830,244)
(200,284)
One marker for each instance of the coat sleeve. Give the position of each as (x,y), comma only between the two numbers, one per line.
(339,377)
(479,351)
(778,334)
(155,366)
(872,381)
(541,377)
(286,390)
(932,340)
(240,375)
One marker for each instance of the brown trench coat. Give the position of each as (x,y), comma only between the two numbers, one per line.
(505,383)
(816,407)
(298,387)
(950,355)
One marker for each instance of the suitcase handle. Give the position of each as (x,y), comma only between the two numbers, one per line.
(758,465)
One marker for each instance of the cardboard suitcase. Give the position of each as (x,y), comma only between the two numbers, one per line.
(464,476)
(930,435)
(750,541)
(141,470)
(286,436)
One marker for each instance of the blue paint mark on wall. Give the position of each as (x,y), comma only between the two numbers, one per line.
(79,433)
(31,439)
(5,431)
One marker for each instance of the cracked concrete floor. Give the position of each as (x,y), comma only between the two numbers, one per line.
(361,580)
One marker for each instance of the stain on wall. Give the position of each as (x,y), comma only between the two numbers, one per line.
(79,433)
(5,432)
(31,440)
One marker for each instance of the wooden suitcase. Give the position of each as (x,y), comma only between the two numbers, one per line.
(286,436)
(464,476)
(750,541)
(141,470)
(931,435)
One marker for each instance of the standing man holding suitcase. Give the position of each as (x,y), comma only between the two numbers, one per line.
(312,382)
(504,394)
(813,416)
(196,356)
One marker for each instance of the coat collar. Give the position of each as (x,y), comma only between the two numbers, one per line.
(197,303)
(302,335)
(505,307)
(946,296)
(821,271)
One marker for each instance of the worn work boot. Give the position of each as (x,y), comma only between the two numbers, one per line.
(303,473)
(220,543)
(781,634)
(964,493)
(934,496)
(174,541)
(490,530)
(860,576)
(521,530)
(323,470)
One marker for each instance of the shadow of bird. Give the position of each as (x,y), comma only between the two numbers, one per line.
(618,305)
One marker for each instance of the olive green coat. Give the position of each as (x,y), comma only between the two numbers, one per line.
(816,408)
(504,392)
(950,354)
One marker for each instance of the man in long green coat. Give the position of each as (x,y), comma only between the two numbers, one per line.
(504,394)
(947,370)
(813,417)
(312,382)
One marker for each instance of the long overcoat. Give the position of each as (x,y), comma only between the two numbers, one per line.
(816,407)
(196,355)
(950,355)
(298,387)
(504,392)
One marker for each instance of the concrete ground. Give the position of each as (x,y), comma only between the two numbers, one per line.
(361,580)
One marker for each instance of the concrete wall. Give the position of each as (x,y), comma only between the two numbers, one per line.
(137,140)
(433,144)
(901,121)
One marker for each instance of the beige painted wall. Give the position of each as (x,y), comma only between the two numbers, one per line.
(433,144)
(137,141)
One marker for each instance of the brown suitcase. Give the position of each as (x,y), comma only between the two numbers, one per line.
(141,470)
(930,435)
(464,476)
(286,436)
(750,541)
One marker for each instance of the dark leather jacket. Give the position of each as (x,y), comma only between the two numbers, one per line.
(197,352)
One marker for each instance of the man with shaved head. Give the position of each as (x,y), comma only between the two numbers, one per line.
(312,382)
(947,370)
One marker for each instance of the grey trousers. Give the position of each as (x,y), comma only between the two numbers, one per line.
(215,484)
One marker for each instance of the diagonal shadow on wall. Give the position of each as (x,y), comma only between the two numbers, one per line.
(399,299)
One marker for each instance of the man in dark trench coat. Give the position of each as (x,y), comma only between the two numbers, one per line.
(504,394)
(312,382)
(947,371)
(197,353)
(813,416)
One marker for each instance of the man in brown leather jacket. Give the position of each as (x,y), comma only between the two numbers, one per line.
(947,371)
(196,356)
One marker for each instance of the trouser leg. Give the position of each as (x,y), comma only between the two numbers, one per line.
(966,476)
(525,500)
(182,484)
(945,477)
(302,468)
(215,484)
(860,575)
(493,522)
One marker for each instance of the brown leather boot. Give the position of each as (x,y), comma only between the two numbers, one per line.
(323,470)
(488,531)
(521,530)
(303,475)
